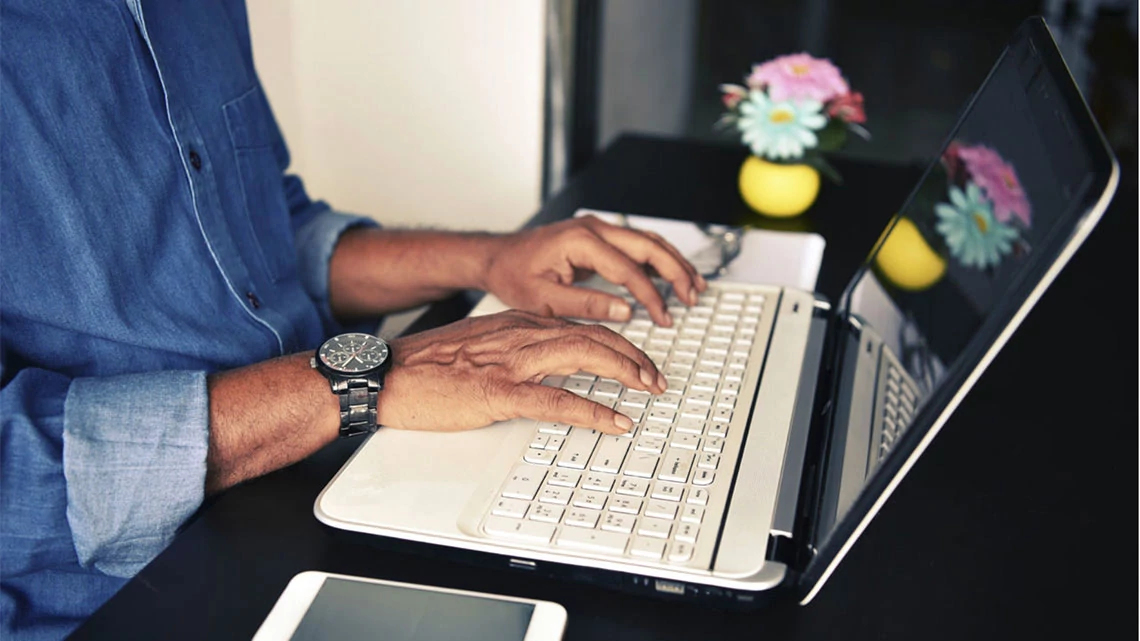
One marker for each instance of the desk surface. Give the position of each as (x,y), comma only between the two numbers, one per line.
(1008,525)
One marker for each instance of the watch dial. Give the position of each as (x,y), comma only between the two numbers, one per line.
(353,353)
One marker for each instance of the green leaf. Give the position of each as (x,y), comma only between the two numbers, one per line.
(820,163)
(833,135)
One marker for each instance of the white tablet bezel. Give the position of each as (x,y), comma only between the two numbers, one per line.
(547,621)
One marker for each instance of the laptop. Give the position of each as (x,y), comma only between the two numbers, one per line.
(789,419)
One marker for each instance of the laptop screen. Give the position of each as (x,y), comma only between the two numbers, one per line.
(1002,204)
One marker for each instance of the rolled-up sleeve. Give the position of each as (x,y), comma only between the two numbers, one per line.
(134,458)
(316,230)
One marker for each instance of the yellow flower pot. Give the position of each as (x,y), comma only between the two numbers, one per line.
(907,260)
(778,190)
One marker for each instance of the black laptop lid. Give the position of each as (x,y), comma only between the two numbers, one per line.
(1021,181)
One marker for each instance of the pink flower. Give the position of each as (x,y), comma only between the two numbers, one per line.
(848,107)
(732,95)
(798,76)
(999,181)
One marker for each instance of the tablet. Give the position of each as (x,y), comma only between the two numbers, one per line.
(320,605)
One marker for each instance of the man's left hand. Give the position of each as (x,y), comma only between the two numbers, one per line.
(535,270)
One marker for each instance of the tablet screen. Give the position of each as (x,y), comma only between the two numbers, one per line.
(349,610)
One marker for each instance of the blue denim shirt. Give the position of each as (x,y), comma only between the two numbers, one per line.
(149,236)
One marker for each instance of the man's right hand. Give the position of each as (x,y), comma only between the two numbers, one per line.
(485,369)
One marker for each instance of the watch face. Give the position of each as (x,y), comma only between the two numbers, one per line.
(353,353)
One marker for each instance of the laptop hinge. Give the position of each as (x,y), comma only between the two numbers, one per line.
(781,549)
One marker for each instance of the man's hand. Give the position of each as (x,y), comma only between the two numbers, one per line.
(535,270)
(490,368)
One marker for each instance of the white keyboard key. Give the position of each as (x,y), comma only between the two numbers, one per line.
(578,386)
(578,448)
(693,514)
(555,495)
(661,510)
(713,444)
(513,508)
(655,528)
(662,415)
(699,397)
(687,532)
(675,385)
(704,477)
(523,482)
(680,551)
(540,440)
(592,540)
(703,384)
(590,500)
(618,523)
(688,425)
(564,478)
(611,453)
(667,401)
(526,531)
(698,496)
(554,381)
(676,463)
(580,517)
(685,441)
(625,505)
(695,412)
(641,464)
(647,548)
(635,398)
(722,414)
(632,487)
(667,491)
(546,513)
(599,482)
(554,442)
(653,444)
(634,414)
(708,460)
(727,400)
(539,457)
(607,388)
(561,429)
(717,430)
(655,429)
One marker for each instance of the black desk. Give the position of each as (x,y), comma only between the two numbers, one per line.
(1009,526)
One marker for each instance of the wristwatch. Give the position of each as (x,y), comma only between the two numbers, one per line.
(355,365)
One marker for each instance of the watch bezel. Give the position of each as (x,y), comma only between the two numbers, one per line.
(323,364)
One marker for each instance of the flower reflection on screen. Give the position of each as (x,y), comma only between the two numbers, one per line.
(973,234)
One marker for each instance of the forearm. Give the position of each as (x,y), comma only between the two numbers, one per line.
(266,416)
(375,271)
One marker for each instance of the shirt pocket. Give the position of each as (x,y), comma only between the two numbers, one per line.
(251,128)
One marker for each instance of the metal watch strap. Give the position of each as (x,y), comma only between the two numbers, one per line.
(357,405)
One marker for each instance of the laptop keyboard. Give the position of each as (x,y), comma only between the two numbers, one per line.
(658,492)
(897,399)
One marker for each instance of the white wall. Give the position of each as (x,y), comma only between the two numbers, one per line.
(415,112)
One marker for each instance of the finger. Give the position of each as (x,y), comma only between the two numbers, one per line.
(700,281)
(646,250)
(544,403)
(583,302)
(607,230)
(617,267)
(567,354)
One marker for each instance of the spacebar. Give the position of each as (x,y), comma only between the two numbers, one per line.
(592,540)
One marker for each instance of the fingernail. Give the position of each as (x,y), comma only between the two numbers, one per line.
(661,382)
(646,378)
(693,295)
(701,282)
(668,319)
(620,311)
(623,422)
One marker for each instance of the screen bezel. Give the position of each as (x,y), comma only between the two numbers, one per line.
(995,331)
(547,621)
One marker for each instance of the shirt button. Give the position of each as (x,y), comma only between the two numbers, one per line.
(195,160)
(254,301)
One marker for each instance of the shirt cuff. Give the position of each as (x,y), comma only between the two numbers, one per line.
(134,456)
(316,240)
